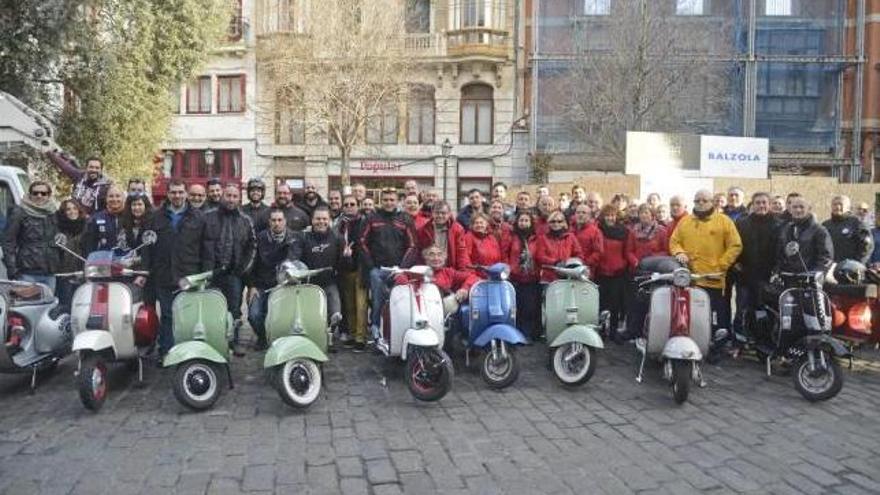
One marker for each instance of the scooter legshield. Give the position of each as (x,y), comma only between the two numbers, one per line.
(824,340)
(682,348)
(425,337)
(585,334)
(193,349)
(292,347)
(93,340)
(501,331)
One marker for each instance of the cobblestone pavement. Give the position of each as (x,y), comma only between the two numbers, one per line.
(743,434)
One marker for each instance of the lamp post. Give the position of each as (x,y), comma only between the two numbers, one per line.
(209,159)
(445,150)
(167,163)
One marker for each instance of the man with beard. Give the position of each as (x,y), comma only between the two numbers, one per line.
(234,249)
(334,204)
(215,195)
(296,218)
(103,230)
(578,197)
(319,248)
(311,200)
(197,196)
(814,241)
(255,208)
(708,242)
(90,186)
(475,204)
(424,216)
(274,245)
(852,240)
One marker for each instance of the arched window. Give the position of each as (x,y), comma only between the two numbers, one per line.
(476,114)
(420,114)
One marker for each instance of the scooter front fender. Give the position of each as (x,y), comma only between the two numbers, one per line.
(682,348)
(825,340)
(425,337)
(292,347)
(93,340)
(585,334)
(500,331)
(193,349)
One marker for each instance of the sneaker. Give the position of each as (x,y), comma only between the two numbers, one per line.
(359,347)
(382,346)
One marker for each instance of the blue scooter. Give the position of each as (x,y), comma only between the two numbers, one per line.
(489,319)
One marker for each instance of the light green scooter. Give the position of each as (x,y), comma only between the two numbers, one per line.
(572,322)
(202,328)
(298,334)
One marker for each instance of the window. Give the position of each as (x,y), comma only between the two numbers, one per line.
(473,13)
(236,25)
(230,94)
(420,115)
(174,99)
(290,126)
(689,7)
(198,95)
(382,127)
(777,7)
(476,114)
(597,7)
(418,16)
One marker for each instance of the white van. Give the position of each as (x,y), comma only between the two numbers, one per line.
(14,184)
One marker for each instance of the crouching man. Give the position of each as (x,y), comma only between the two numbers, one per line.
(453,284)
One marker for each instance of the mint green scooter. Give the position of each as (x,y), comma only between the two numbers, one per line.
(298,334)
(202,328)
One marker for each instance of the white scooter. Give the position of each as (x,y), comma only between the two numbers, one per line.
(108,322)
(412,325)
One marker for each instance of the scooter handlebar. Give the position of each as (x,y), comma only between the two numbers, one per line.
(70,274)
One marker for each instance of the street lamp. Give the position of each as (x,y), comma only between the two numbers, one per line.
(209,158)
(167,163)
(445,150)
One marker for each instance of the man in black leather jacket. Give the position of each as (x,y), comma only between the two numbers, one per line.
(816,248)
(274,246)
(319,248)
(851,238)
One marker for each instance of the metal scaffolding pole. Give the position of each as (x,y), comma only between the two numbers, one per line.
(751,73)
(855,174)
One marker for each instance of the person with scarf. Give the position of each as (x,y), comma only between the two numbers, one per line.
(103,231)
(90,185)
(852,239)
(555,246)
(29,250)
(274,245)
(524,275)
(480,247)
(351,284)
(646,238)
(612,266)
(587,232)
(72,223)
(136,212)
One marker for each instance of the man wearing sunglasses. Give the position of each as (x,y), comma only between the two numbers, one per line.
(29,239)
(90,186)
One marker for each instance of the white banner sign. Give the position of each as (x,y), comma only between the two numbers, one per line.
(723,156)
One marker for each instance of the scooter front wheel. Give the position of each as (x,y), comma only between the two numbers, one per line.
(681,380)
(819,384)
(499,369)
(196,384)
(93,382)
(428,374)
(298,382)
(574,363)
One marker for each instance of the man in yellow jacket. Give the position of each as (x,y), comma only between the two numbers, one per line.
(708,242)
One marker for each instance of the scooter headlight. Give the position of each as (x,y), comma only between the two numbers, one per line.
(681,278)
(505,274)
(185,284)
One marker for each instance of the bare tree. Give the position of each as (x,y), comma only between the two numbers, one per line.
(346,70)
(644,68)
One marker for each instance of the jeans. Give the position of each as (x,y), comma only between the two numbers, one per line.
(231,286)
(528,308)
(257,311)
(165,296)
(333,303)
(354,304)
(745,301)
(612,297)
(64,289)
(48,280)
(378,296)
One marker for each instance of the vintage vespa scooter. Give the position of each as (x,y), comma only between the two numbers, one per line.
(573,323)
(202,328)
(489,318)
(34,330)
(412,324)
(296,327)
(678,328)
(110,324)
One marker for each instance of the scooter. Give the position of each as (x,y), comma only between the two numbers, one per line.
(296,327)
(110,324)
(573,323)
(34,330)
(412,324)
(796,328)
(489,317)
(678,328)
(855,308)
(202,329)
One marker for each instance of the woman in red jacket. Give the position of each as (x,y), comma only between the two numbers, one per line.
(556,246)
(611,271)
(589,236)
(646,238)
(524,275)
(480,247)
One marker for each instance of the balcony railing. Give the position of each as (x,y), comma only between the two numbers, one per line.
(478,41)
(424,44)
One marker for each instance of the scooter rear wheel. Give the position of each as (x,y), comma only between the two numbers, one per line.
(820,385)
(93,382)
(681,380)
(196,384)
(298,382)
(428,374)
(574,363)
(501,372)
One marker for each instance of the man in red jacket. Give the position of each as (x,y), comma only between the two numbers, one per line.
(442,231)
(589,236)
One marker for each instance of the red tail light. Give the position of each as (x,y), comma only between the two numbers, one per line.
(146,325)
(859,317)
(15,324)
(99,308)
(681,313)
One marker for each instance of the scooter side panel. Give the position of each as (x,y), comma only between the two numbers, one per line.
(298,310)
(5,359)
(292,347)
(93,340)
(585,334)
(432,304)
(701,318)
(501,331)
(52,336)
(119,315)
(682,348)
(563,294)
(402,309)
(210,305)
(494,303)
(659,320)
(193,349)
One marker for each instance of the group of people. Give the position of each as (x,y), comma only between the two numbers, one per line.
(209,227)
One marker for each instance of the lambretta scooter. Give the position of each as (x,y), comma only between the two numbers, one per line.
(412,325)
(110,323)
(34,330)
(573,323)
(489,318)
(298,334)
(678,328)
(202,329)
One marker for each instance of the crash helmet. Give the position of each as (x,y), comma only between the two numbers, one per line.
(849,272)
(256,183)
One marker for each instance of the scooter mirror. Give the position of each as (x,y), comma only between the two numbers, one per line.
(149,237)
(792,248)
(60,240)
